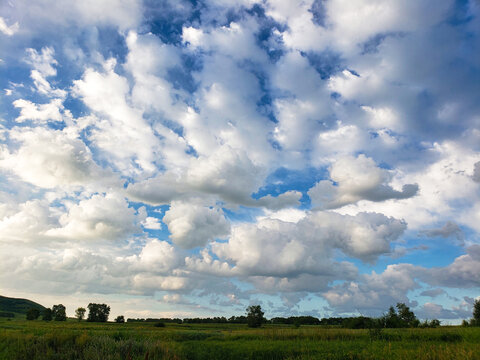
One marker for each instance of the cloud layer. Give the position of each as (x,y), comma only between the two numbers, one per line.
(303,152)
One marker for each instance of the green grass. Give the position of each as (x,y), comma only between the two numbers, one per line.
(74,340)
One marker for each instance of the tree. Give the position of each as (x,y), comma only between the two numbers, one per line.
(120,319)
(80,313)
(407,317)
(33,314)
(47,314)
(98,312)
(404,317)
(255,316)
(476,313)
(59,312)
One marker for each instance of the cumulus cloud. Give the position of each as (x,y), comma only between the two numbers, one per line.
(462,273)
(101,217)
(53,158)
(193,225)
(39,112)
(226,173)
(436,311)
(277,248)
(374,292)
(284,141)
(122,133)
(27,223)
(157,257)
(152,223)
(355,179)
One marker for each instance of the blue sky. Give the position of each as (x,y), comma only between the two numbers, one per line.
(190,158)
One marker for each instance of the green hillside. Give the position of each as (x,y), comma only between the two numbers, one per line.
(17,306)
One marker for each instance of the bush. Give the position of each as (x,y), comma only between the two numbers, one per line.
(159,324)
(33,314)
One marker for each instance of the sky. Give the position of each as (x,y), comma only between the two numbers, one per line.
(189,158)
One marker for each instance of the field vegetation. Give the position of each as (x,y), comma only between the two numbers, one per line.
(72,339)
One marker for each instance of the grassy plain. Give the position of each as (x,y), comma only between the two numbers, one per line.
(73,340)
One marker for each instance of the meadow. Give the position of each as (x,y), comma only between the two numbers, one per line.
(82,340)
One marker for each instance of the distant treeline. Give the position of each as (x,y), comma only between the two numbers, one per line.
(347,322)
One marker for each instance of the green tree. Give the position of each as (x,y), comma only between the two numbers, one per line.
(255,316)
(33,314)
(47,314)
(476,313)
(404,318)
(98,312)
(59,312)
(407,317)
(80,313)
(120,319)
(391,319)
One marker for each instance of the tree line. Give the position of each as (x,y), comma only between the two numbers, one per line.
(399,316)
(96,313)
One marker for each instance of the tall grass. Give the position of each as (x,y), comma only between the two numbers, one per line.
(70,340)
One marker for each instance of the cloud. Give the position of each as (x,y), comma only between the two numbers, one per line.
(227,173)
(449,229)
(462,273)
(27,222)
(39,112)
(53,158)
(43,64)
(101,217)
(272,247)
(375,292)
(152,223)
(476,172)
(436,311)
(8,30)
(72,13)
(192,225)
(287,143)
(122,133)
(433,292)
(156,257)
(355,179)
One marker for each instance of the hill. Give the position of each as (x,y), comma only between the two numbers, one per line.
(17,306)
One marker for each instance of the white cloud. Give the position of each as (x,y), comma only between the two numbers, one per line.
(43,64)
(101,217)
(53,158)
(193,225)
(355,179)
(277,248)
(156,257)
(86,13)
(122,133)
(39,112)
(8,30)
(375,292)
(27,223)
(442,183)
(152,223)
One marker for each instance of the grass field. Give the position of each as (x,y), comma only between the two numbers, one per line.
(73,340)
